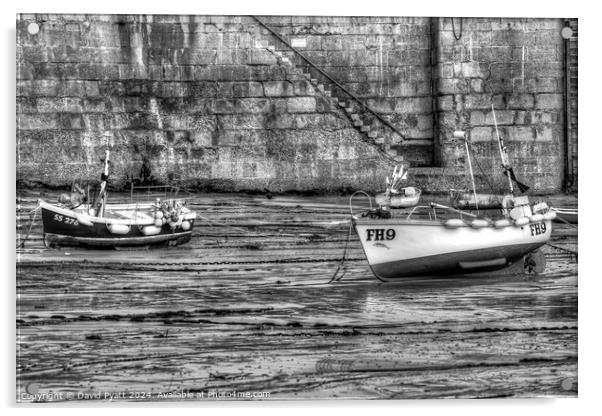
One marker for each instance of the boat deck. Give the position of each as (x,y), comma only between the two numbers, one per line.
(246,306)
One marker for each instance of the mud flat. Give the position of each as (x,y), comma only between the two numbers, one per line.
(245,311)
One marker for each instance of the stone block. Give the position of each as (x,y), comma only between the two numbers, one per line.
(413,105)
(59,105)
(278,89)
(548,101)
(301,104)
(520,101)
(452,86)
(481,134)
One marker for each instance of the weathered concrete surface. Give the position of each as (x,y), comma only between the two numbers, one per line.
(209,106)
(249,309)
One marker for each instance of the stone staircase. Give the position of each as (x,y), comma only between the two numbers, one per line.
(372,129)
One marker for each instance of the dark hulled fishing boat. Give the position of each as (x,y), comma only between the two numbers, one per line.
(74,220)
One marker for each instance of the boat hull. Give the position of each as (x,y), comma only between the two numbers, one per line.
(406,248)
(70,228)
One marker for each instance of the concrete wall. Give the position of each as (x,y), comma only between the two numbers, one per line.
(208,105)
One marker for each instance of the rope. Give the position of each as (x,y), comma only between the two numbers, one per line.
(474,156)
(566,222)
(221,224)
(575,253)
(457,37)
(342,262)
(35,213)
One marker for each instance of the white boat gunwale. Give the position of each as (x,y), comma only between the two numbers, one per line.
(104,220)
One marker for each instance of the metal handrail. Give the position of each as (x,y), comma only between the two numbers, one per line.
(349,93)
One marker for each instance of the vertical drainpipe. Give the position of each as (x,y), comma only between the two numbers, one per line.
(567,177)
(434,67)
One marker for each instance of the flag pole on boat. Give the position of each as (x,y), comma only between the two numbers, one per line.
(459,134)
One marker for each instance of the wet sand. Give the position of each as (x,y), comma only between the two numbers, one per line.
(245,311)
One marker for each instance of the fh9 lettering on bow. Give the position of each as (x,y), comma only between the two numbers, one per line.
(537,229)
(378,234)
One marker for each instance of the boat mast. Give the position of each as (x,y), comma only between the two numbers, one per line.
(503,154)
(102,195)
(462,135)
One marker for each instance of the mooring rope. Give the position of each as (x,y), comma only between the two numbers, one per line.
(566,222)
(35,213)
(342,262)
(221,224)
(575,253)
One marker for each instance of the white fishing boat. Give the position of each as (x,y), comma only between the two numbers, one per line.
(440,240)
(395,196)
(402,198)
(436,240)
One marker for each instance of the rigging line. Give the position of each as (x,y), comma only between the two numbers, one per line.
(459,36)
(474,156)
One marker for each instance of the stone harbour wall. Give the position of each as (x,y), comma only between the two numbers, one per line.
(205,103)
(516,65)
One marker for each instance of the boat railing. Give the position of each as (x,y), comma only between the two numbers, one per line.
(436,212)
(148,193)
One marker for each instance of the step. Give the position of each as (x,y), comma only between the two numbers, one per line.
(373,135)
(365,129)
(358,123)
(355,117)
(379,140)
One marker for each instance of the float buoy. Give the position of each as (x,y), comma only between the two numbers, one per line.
(478,223)
(519,222)
(549,216)
(118,228)
(536,218)
(151,230)
(159,215)
(158,222)
(185,225)
(84,221)
(502,223)
(454,223)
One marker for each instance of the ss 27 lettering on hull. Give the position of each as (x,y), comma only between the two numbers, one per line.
(537,229)
(380,234)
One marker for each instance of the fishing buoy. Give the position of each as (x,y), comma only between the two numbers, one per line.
(84,221)
(502,223)
(479,223)
(536,218)
(173,225)
(159,215)
(158,222)
(549,216)
(185,225)
(151,230)
(519,222)
(454,223)
(118,228)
